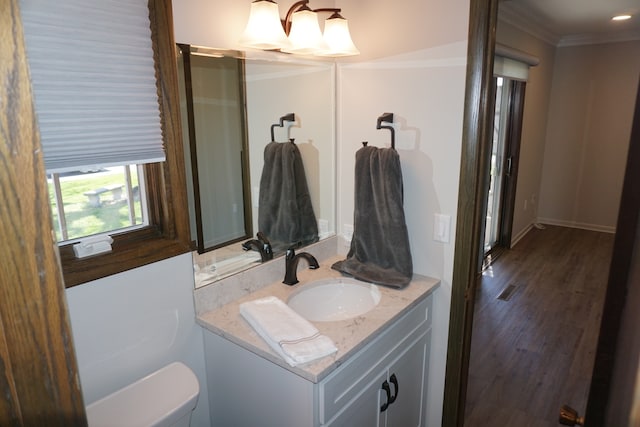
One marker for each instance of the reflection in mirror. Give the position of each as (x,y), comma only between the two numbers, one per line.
(275,85)
(212,107)
(285,212)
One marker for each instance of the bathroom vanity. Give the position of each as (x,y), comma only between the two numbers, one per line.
(377,377)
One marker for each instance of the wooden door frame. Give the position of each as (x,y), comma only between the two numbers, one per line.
(38,370)
(477,130)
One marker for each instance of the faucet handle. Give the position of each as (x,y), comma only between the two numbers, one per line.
(291,252)
(247,245)
(266,245)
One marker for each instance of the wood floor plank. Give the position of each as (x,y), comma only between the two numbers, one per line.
(535,351)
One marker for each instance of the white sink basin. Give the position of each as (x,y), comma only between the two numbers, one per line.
(334,299)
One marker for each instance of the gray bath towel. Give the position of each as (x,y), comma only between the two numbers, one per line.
(379,250)
(285,213)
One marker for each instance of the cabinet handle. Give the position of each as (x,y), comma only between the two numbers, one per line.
(387,389)
(394,381)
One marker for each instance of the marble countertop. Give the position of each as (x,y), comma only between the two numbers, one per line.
(349,335)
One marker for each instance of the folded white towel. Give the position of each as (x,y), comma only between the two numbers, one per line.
(286,332)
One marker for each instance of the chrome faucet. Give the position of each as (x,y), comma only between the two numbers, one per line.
(262,245)
(291,265)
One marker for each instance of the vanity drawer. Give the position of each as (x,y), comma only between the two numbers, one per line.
(347,382)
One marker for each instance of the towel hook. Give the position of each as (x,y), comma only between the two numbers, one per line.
(388,118)
(291,117)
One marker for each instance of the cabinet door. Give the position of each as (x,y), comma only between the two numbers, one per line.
(364,411)
(409,373)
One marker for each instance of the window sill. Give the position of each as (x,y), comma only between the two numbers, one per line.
(130,250)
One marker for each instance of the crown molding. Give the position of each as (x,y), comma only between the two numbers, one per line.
(586,39)
(531,22)
(528,21)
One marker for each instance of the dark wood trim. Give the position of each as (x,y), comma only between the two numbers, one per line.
(185,49)
(477,128)
(614,305)
(176,217)
(512,150)
(169,234)
(199,244)
(246,170)
(130,250)
(39,378)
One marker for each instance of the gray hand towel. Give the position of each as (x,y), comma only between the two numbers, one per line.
(285,213)
(379,250)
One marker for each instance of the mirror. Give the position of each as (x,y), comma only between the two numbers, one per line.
(224,189)
(215,147)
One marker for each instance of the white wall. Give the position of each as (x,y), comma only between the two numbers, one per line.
(130,324)
(588,131)
(413,64)
(534,124)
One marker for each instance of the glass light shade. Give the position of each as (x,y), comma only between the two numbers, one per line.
(264,29)
(338,38)
(305,35)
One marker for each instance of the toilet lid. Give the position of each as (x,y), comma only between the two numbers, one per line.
(163,397)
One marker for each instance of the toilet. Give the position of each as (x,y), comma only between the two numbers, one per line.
(164,398)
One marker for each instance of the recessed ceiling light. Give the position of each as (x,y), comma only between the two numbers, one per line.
(621,18)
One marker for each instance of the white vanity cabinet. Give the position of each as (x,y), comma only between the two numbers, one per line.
(247,390)
(395,397)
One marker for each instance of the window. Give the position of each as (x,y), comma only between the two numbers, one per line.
(104,200)
(164,231)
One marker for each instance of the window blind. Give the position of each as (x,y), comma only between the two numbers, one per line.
(515,70)
(513,63)
(93,78)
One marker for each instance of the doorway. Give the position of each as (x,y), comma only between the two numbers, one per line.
(471,215)
(503,166)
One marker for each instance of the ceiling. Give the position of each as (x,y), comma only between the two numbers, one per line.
(564,21)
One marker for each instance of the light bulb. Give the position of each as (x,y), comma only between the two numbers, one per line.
(337,37)
(305,35)
(264,29)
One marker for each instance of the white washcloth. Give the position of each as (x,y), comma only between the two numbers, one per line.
(286,332)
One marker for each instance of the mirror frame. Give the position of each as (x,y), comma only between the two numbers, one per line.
(186,50)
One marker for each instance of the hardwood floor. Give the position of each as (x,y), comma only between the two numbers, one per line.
(534,351)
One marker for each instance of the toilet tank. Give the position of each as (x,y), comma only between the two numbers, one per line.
(164,398)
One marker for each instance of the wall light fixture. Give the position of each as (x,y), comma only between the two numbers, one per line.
(266,31)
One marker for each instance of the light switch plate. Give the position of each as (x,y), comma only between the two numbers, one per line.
(441,228)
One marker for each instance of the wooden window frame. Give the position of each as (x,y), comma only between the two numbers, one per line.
(167,234)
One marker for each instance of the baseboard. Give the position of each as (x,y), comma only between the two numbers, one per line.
(521,234)
(580,225)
